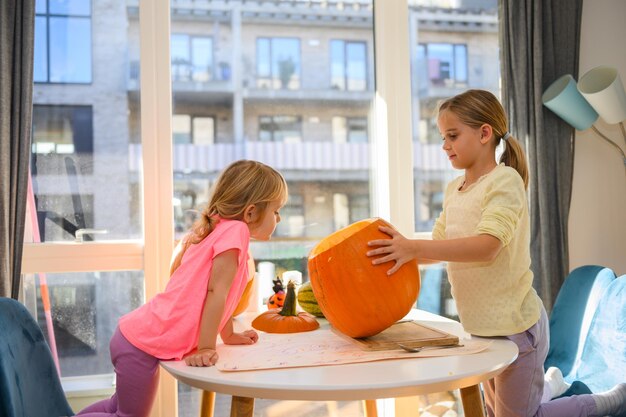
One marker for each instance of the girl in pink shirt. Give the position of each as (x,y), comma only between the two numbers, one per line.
(208,276)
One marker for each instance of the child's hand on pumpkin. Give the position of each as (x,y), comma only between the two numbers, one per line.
(202,357)
(398,249)
(247,337)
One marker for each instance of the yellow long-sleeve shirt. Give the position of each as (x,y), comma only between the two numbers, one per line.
(493,298)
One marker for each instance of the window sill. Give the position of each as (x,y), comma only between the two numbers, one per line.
(88,386)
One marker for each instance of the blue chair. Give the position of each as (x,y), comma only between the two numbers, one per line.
(430,290)
(29,382)
(571,316)
(603,360)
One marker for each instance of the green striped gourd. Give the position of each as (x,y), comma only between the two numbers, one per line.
(307,300)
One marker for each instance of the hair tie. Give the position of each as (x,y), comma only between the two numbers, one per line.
(506,136)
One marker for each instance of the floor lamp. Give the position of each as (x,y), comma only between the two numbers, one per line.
(598,93)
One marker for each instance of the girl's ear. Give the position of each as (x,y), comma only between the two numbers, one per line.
(486,131)
(249,214)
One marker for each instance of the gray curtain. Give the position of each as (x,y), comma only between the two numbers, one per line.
(539,43)
(17,27)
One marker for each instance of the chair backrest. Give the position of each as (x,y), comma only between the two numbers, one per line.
(429,298)
(572,313)
(29,382)
(603,361)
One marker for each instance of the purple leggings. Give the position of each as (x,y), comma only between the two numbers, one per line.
(137,378)
(517,391)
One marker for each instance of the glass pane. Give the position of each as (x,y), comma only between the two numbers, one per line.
(356,66)
(203,130)
(40,70)
(287,105)
(286,63)
(84,309)
(85,158)
(41,6)
(337,65)
(447,58)
(70,44)
(70,7)
(202,59)
(181,60)
(181,128)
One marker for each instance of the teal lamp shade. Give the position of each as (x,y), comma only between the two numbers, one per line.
(564,99)
(603,89)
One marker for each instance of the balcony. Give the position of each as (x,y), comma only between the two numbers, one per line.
(303,156)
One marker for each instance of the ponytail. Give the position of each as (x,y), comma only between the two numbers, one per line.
(514,157)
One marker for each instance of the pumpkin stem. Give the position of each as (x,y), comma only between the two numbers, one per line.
(289,308)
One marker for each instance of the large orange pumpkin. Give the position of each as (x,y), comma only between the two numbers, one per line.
(359,299)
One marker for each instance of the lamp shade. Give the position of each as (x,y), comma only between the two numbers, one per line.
(603,89)
(564,99)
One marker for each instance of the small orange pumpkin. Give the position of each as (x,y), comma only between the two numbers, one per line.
(286,320)
(359,299)
(277,300)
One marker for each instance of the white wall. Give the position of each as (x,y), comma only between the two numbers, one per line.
(597,223)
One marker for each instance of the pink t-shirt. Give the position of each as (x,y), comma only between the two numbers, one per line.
(168,326)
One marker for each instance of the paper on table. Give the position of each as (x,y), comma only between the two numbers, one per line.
(318,348)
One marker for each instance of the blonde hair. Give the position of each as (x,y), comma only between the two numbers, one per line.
(241,184)
(477,107)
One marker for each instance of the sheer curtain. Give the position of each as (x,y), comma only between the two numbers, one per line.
(539,43)
(17,26)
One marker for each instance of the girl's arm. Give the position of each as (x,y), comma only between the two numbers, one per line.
(481,248)
(222,275)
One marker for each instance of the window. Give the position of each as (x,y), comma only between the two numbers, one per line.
(349,129)
(198,130)
(278,63)
(61,133)
(62,41)
(292,218)
(348,65)
(446,64)
(280,129)
(192,58)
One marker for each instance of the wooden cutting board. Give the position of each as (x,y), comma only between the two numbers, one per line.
(408,333)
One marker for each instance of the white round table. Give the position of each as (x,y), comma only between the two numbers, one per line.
(360,381)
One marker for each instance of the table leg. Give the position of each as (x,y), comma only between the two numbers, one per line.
(207,405)
(407,406)
(369,408)
(242,407)
(472,401)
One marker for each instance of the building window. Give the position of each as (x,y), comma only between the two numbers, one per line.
(192,58)
(292,217)
(359,207)
(280,129)
(62,42)
(278,63)
(348,65)
(349,129)
(446,63)
(199,130)
(59,133)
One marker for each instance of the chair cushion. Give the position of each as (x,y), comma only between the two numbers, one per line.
(29,382)
(603,361)
(571,316)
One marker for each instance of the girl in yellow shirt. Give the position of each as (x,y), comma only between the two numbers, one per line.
(483,233)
